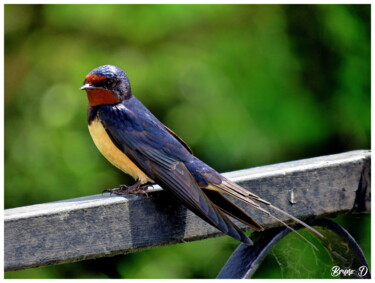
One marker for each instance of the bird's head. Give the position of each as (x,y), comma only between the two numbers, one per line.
(106,84)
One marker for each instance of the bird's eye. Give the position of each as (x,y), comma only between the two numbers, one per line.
(109,83)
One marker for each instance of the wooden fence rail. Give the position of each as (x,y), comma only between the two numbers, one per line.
(103,225)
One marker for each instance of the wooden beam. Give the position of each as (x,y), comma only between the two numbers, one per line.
(103,225)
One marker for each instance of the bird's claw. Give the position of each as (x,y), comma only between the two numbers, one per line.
(124,190)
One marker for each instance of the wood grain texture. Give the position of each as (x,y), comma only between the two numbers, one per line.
(103,225)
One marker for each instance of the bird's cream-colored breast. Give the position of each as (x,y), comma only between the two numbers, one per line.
(113,154)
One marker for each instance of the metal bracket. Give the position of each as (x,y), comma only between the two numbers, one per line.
(341,246)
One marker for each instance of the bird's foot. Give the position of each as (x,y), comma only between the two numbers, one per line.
(123,190)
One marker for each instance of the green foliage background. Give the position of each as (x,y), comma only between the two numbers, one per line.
(243,85)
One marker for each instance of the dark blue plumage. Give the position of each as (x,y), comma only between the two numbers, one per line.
(110,71)
(151,146)
(136,142)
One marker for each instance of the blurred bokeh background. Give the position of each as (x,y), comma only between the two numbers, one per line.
(243,85)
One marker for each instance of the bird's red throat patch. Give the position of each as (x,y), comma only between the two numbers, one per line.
(99,96)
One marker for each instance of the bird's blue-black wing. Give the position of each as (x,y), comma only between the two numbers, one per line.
(162,157)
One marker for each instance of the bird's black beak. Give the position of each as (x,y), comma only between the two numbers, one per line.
(88,86)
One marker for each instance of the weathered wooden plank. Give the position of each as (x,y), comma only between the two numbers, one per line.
(103,225)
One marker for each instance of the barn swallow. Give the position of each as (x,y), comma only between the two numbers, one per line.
(137,143)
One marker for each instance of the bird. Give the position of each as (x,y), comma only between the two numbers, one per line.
(132,139)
